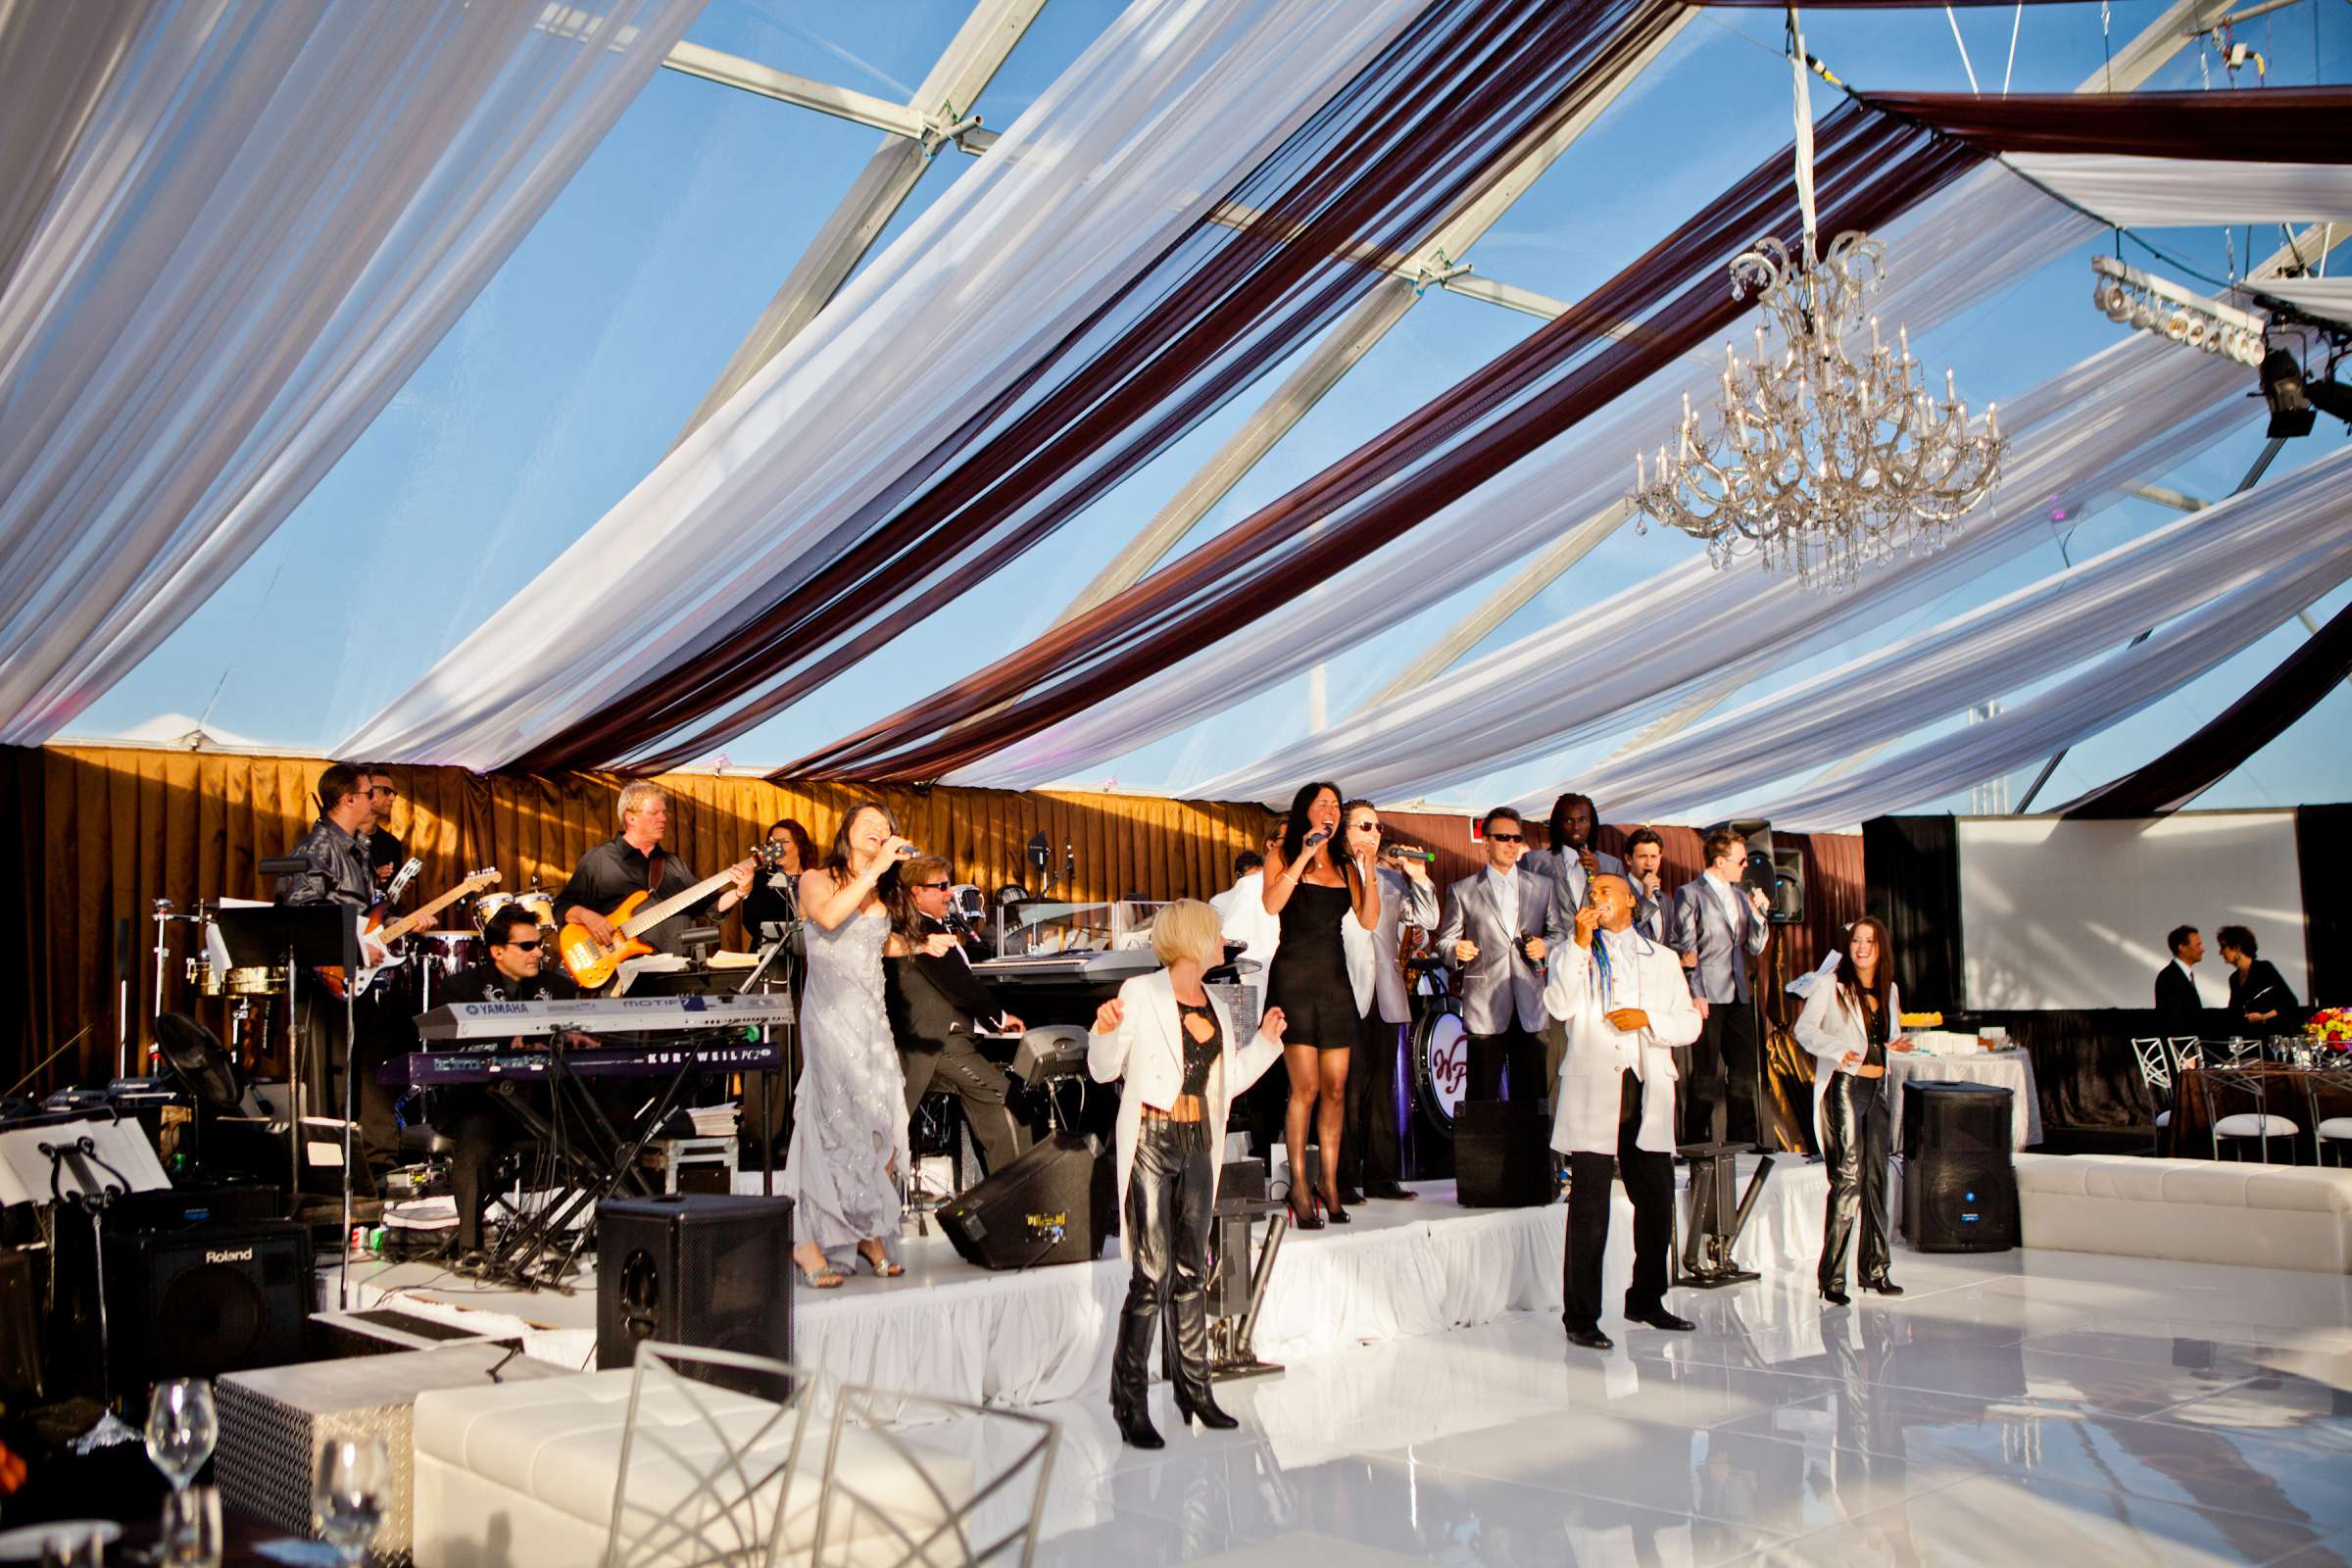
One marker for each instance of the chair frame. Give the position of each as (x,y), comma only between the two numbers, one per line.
(673,1538)
(2256,1083)
(883,1412)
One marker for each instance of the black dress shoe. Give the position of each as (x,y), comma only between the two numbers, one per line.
(1391,1193)
(1835,1298)
(1350,1196)
(1882,1287)
(1590,1340)
(1657,1317)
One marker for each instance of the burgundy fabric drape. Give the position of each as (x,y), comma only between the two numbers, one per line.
(2276,124)
(1416,136)
(1869,169)
(2237,732)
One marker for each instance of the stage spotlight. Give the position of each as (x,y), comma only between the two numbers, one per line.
(2285,390)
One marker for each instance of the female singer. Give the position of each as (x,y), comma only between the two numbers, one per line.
(1311,891)
(1172,1043)
(1850,1022)
(2258,994)
(775,895)
(849,1137)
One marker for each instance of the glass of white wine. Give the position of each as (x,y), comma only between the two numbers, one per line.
(347,1494)
(181,1429)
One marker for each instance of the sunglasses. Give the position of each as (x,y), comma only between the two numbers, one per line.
(1509,838)
(934,887)
(525,946)
(384,789)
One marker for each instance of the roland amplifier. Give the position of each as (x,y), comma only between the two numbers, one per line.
(207,1299)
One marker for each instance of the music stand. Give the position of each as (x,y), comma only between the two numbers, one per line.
(290,938)
(87,1165)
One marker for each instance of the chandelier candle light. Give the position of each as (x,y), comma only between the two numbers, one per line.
(1820,463)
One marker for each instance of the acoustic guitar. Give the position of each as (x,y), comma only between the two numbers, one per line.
(593,963)
(375,933)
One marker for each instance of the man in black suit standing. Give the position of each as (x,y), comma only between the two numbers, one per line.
(2179,1008)
(939,1007)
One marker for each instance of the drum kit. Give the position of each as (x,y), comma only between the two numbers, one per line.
(1441,1043)
(251,993)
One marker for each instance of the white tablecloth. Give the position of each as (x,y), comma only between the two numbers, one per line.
(2012,1070)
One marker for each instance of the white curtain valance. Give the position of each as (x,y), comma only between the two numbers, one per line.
(273,214)
(2184,193)
(2331,297)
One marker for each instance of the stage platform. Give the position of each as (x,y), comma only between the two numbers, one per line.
(955,1330)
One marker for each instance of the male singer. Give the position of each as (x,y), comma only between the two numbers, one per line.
(1368,1146)
(938,1008)
(1625,1004)
(1500,924)
(1719,930)
(1571,857)
(1644,862)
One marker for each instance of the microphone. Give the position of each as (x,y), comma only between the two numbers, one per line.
(908,852)
(1541,966)
(1315,838)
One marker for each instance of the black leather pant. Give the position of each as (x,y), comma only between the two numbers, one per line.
(1166,1228)
(1854,1126)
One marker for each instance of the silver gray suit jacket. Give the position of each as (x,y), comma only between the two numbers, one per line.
(1724,973)
(1500,986)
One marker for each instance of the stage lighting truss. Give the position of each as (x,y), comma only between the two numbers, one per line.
(2137,299)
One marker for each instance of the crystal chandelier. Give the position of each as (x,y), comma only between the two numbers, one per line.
(1819,463)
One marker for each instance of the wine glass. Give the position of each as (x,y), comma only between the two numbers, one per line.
(346,1496)
(181,1429)
(191,1534)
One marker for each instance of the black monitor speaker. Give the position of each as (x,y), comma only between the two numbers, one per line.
(206,1298)
(1054,1204)
(1959,1179)
(711,1270)
(1502,1154)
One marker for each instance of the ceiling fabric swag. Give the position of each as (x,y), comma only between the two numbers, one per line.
(2276,124)
(2270,707)
(2098,698)
(2077,439)
(2016,640)
(2330,297)
(1119,159)
(271,214)
(2180,193)
(1401,149)
(1958,248)
(1870,168)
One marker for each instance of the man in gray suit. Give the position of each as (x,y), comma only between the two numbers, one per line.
(1644,868)
(1571,858)
(1719,928)
(1500,923)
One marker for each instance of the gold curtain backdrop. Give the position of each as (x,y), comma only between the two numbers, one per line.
(106,831)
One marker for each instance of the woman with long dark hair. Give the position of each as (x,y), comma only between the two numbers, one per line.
(1849,1023)
(849,1130)
(774,900)
(1311,884)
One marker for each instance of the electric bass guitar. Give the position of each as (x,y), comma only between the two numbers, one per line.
(593,963)
(377,935)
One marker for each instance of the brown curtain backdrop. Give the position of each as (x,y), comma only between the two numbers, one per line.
(101,833)
(2277,125)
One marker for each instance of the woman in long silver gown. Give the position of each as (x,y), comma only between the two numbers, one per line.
(848,1127)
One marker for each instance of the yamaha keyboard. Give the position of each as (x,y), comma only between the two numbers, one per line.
(1097,964)
(601,1015)
(434,1069)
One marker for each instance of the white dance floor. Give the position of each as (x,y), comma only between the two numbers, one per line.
(954,1330)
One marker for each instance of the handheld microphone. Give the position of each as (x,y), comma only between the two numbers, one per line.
(1541,966)
(908,852)
(1315,838)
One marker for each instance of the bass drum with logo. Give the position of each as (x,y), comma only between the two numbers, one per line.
(1440,1053)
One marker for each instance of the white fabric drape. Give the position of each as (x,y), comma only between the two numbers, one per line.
(2188,193)
(274,213)
(2077,439)
(1165,113)
(56,62)
(2103,695)
(1951,253)
(2013,641)
(2331,297)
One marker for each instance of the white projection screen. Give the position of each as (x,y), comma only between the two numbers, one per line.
(2070,914)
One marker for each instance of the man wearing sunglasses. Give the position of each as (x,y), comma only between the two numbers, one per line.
(939,1008)
(1501,924)
(469,1115)
(382,847)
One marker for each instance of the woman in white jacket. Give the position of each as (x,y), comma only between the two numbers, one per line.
(1849,1023)
(1174,1044)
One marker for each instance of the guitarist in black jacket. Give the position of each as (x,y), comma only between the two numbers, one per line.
(938,1007)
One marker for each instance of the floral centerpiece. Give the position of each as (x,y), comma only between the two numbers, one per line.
(2330,1027)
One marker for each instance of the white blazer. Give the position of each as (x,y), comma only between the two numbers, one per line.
(1372,971)
(1146,1049)
(1245,919)
(1830,1027)
(1584,1113)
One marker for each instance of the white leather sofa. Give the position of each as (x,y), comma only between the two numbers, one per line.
(522,1475)
(2193,1210)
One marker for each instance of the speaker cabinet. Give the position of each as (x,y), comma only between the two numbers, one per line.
(706,1269)
(1959,1179)
(207,1299)
(1502,1154)
(1052,1206)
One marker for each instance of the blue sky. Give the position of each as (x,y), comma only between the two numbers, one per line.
(571,375)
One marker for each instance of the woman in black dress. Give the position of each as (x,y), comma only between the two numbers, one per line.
(2259,995)
(1310,891)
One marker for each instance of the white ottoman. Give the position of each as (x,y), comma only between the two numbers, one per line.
(2196,1211)
(523,1476)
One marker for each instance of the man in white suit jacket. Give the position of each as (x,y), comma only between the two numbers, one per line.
(1500,924)
(1626,1007)
(1368,1146)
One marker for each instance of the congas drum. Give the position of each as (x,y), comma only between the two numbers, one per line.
(1441,1060)
(253,982)
(202,976)
(540,905)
